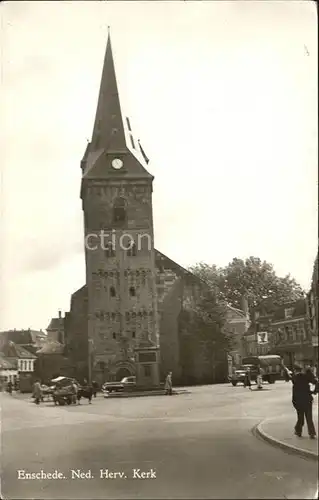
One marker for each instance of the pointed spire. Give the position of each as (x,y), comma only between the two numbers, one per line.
(108,131)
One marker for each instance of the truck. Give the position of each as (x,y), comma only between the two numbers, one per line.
(272,366)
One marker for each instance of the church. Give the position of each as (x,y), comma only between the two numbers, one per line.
(134,295)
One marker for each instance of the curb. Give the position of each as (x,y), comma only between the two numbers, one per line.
(284,446)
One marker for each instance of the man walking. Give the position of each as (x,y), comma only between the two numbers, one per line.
(260,374)
(37,392)
(169,384)
(302,400)
(247,379)
(75,390)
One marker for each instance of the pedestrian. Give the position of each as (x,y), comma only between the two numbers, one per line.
(95,387)
(169,384)
(247,379)
(260,373)
(302,400)
(75,390)
(9,387)
(37,392)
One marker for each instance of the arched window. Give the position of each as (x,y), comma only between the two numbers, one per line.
(112,291)
(109,249)
(132,291)
(119,211)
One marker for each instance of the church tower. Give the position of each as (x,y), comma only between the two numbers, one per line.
(116,194)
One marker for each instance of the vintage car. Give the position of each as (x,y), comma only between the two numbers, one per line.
(125,383)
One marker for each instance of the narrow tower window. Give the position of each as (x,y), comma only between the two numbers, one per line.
(114,335)
(109,250)
(133,335)
(112,291)
(132,291)
(131,251)
(119,210)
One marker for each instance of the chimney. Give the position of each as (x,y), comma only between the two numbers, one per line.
(60,314)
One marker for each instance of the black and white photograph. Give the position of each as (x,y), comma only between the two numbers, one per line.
(159,250)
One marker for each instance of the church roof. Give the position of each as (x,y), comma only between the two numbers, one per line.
(112,136)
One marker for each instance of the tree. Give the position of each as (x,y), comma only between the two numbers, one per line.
(252,278)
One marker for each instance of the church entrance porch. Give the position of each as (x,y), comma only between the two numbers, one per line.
(121,373)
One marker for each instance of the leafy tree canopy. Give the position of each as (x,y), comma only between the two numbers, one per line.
(208,321)
(252,278)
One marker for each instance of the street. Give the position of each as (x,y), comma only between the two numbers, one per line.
(198,444)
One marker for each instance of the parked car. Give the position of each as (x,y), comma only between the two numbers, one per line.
(125,383)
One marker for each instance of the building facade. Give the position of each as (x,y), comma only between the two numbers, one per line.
(8,371)
(23,361)
(312,310)
(284,332)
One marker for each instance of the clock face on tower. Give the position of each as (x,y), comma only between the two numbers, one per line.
(117,163)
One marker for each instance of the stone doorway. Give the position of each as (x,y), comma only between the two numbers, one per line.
(121,373)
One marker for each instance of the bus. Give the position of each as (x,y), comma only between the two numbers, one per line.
(271,364)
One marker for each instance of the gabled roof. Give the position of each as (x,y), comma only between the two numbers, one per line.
(12,350)
(22,336)
(6,364)
(298,307)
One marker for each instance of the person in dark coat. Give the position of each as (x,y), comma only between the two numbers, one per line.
(247,379)
(95,387)
(302,400)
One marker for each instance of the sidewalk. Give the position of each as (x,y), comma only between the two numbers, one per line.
(279,432)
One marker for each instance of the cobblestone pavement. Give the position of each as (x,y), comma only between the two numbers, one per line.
(198,445)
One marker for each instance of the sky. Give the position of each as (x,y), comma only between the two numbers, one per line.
(223,96)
